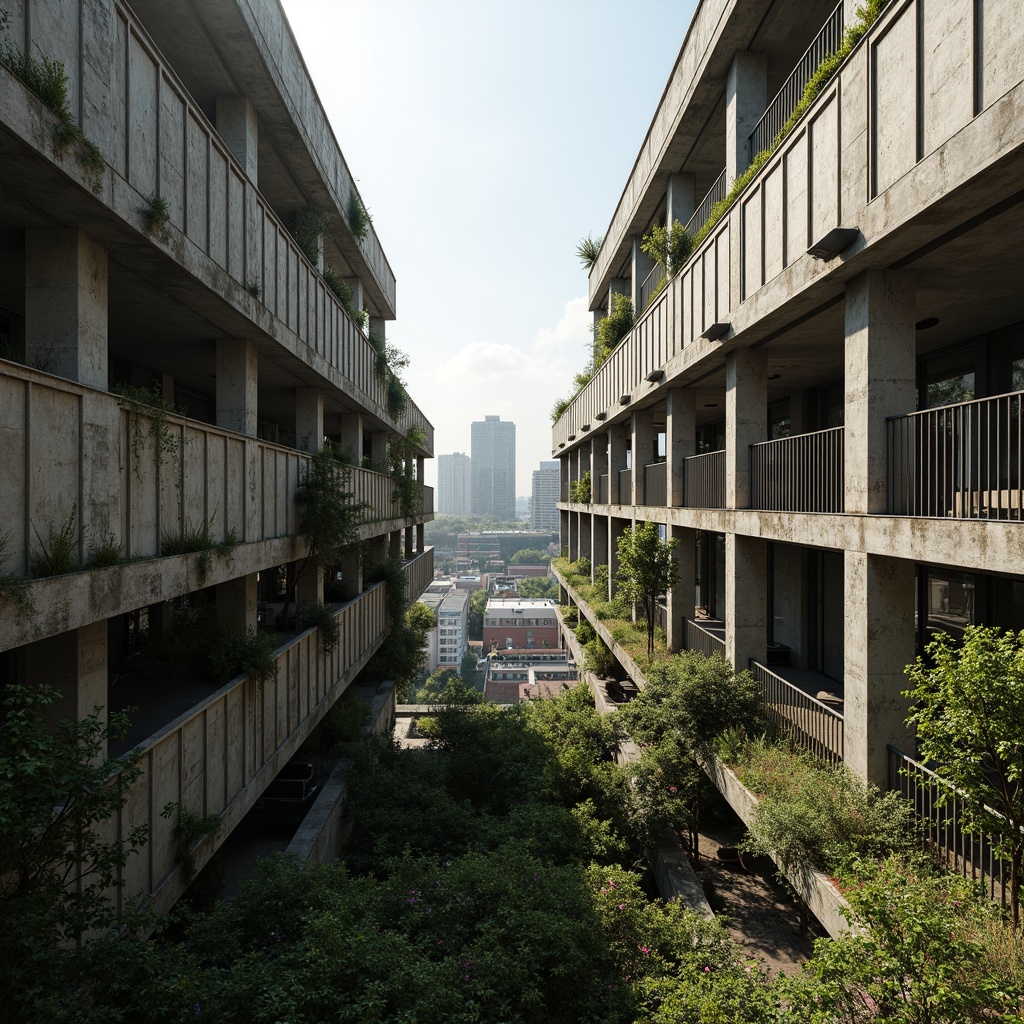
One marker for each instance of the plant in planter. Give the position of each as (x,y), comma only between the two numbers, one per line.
(588,249)
(157,214)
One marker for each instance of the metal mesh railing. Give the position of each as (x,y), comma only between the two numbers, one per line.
(798,474)
(971,854)
(807,721)
(785,100)
(960,461)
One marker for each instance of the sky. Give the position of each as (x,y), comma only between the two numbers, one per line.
(487,137)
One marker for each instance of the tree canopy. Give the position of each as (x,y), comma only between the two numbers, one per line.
(646,571)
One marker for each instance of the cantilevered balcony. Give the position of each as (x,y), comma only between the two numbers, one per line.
(960,461)
(798,474)
(704,480)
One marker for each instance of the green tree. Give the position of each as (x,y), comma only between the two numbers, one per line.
(538,587)
(467,669)
(477,606)
(646,570)
(59,872)
(968,711)
(530,556)
(669,249)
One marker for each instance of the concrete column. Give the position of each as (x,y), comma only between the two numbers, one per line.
(75,664)
(880,376)
(167,388)
(746,599)
(379,325)
(563,531)
(619,286)
(643,451)
(599,462)
(236,385)
(419,538)
(237,126)
(616,528)
(309,419)
(66,305)
(680,199)
(599,541)
(746,420)
(617,434)
(309,587)
(878,642)
(351,569)
(746,97)
(642,266)
(410,532)
(357,291)
(680,440)
(395,545)
(586,538)
(378,447)
(236,602)
(681,596)
(352,434)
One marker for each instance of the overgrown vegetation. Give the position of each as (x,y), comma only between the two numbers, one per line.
(581,491)
(322,618)
(157,215)
(189,829)
(647,570)
(191,537)
(588,249)
(311,224)
(246,652)
(358,217)
(48,79)
(57,552)
(150,405)
(14,589)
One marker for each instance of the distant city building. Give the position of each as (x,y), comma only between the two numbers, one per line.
(493,451)
(432,598)
(514,676)
(453,484)
(544,501)
(518,623)
(523,507)
(452,622)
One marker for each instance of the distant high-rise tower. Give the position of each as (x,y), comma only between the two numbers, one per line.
(493,449)
(544,503)
(453,484)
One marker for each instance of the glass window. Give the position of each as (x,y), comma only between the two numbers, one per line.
(948,379)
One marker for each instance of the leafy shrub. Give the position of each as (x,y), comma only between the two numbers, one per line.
(580,490)
(322,618)
(611,329)
(244,653)
(358,217)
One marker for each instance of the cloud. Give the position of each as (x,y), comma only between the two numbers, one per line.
(572,331)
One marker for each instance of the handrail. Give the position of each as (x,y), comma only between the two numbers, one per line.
(802,473)
(715,195)
(786,99)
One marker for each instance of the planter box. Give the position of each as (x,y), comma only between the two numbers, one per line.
(823,899)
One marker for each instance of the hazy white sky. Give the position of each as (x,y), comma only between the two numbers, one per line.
(487,138)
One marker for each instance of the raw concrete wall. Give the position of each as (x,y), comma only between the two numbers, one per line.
(815,181)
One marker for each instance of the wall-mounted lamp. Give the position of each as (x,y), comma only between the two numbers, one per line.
(774,376)
(927,323)
(715,331)
(561,444)
(586,426)
(655,375)
(829,247)
(601,416)
(624,400)
(572,437)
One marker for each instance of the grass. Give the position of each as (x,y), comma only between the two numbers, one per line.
(157,215)
(58,553)
(192,538)
(14,589)
(109,552)
(254,288)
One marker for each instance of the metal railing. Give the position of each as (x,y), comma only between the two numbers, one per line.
(704,480)
(798,474)
(660,616)
(602,489)
(715,194)
(971,854)
(625,495)
(655,487)
(804,719)
(784,103)
(697,638)
(959,461)
(650,286)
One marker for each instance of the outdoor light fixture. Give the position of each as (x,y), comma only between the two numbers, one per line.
(561,444)
(774,376)
(926,324)
(655,375)
(601,416)
(833,243)
(625,399)
(716,331)
(586,426)
(710,405)
(572,437)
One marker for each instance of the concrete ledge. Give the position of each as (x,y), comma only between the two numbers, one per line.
(823,899)
(676,879)
(321,837)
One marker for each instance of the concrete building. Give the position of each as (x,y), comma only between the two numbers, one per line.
(544,499)
(202,242)
(515,676)
(493,449)
(452,623)
(822,404)
(454,483)
(520,623)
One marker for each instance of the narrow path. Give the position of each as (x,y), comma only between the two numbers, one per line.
(764,918)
